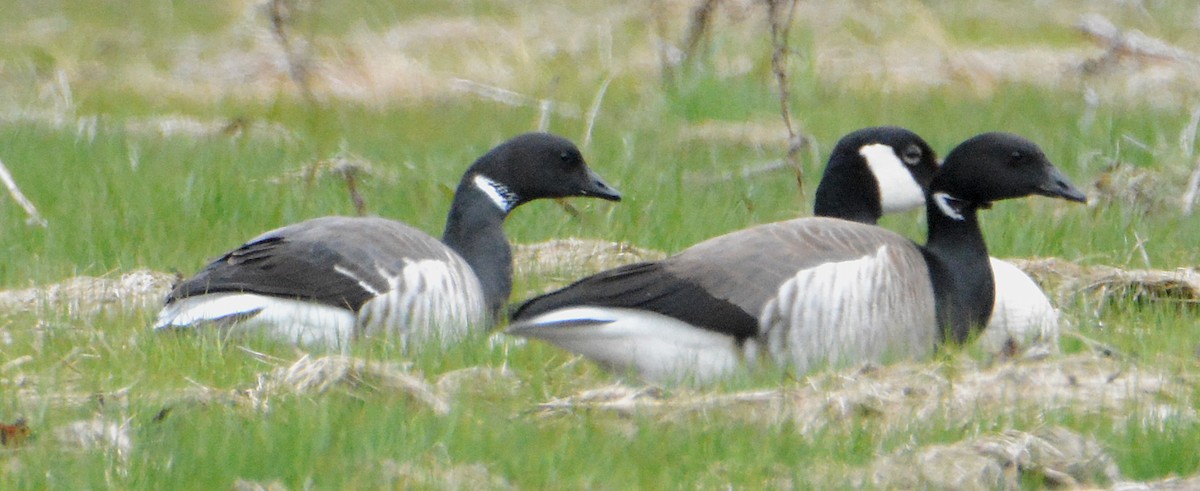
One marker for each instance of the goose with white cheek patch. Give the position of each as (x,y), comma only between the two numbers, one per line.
(811,292)
(870,172)
(1022,320)
(327,281)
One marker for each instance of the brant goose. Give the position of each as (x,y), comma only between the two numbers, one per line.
(863,190)
(329,280)
(809,291)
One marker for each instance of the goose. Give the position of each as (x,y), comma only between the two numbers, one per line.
(807,292)
(869,172)
(329,280)
(863,190)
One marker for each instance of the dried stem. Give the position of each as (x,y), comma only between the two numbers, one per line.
(35,218)
(1193,189)
(780,15)
(594,111)
(351,176)
(658,10)
(698,30)
(280,14)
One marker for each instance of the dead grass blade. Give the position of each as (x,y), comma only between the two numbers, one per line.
(35,218)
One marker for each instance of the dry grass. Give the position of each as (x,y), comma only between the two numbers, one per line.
(901,396)
(1103,284)
(419,59)
(86,295)
(562,260)
(900,399)
(1056,457)
(312,376)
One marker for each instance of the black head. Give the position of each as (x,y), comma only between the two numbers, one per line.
(541,165)
(996,166)
(873,171)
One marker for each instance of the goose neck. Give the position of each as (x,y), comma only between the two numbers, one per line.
(959,266)
(475,230)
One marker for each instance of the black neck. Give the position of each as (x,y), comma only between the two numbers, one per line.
(842,194)
(960,269)
(475,230)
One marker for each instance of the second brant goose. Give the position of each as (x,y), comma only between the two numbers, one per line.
(809,292)
(863,190)
(329,280)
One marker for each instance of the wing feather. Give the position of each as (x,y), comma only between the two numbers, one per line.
(338,261)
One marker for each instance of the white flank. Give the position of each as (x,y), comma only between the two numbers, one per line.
(498,193)
(943,203)
(898,191)
(305,323)
(850,312)
(430,298)
(656,347)
(1022,314)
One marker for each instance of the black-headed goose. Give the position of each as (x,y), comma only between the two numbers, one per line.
(869,171)
(811,291)
(883,182)
(329,280)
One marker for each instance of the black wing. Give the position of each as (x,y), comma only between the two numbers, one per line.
(648,286)
(338,261)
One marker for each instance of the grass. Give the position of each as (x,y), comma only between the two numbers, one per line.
(119,199)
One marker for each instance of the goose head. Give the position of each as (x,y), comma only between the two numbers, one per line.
(996,166)
(876,170)
(539,165)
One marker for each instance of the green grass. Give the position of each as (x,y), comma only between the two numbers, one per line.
(117,200)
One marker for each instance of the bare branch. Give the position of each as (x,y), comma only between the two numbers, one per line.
(780,15)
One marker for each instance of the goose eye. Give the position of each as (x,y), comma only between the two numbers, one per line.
(564,156)
(912,154)
(1017,156)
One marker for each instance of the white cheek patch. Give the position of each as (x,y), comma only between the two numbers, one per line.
(943,203)
(898,191)
(503,197)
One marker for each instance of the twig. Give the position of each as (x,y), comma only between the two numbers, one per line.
(545,107)
(780,15)
(1141,247)
(1187,137)
(298,67)
(746,172)
(666,62)
(35,218)
(1193,189)
(1096,346)
(701,18)
(510,98)
(350,173)
(1132,44)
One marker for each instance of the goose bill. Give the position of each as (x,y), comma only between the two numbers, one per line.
(1057,185)
(598,188)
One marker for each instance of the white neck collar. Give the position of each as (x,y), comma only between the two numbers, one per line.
(503,197)
(946,204)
